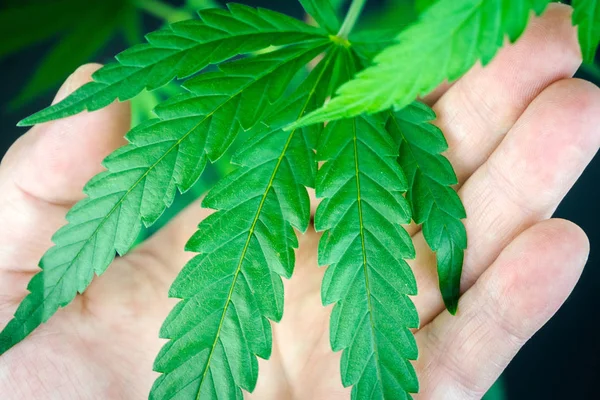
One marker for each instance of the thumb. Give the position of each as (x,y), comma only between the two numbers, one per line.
(43,175)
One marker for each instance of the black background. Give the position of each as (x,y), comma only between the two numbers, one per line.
(561,361)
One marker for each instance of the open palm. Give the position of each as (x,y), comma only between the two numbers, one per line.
(520,132)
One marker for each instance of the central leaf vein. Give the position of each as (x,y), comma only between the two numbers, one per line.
(364,250)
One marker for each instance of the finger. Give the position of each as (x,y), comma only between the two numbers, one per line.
(461,356)
(482,106)
(43,174)
(541,31)
(522,183)
(479,109)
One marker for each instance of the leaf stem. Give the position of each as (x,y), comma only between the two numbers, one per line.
(351,18)
(164,10)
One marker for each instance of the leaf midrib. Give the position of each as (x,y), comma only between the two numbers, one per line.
(107,217)
(180,51)
(364,251)
(136,69)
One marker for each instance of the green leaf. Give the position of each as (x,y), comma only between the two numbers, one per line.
(386,21)
(365,246)
(448,39)
(324,13)
(164,154)
(26,24)
(434,203)
(422,5)
(586,15)
(201,4)
(181,50)
(88,35)
(233,287)
(363,243)
(132,28)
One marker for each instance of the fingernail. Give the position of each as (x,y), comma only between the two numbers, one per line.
(78,78)
(65,89)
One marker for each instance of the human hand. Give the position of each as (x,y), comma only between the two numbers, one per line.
(520,133)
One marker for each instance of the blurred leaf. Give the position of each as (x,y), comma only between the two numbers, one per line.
(26,24)
(143,104)
(586,16)
(390,19)
(324,12)
(201,4)
(379,29)
(593,72)
(132,26)
(77,47)
(81,28)
(421,5)
(164,11)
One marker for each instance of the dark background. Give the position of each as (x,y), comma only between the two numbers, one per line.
(561,361)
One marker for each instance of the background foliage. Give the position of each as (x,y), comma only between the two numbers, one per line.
(44,41)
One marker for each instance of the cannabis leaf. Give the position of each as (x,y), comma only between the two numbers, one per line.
(365,247)
(233,286)
(448,39)
(586,15)
(164,154)
(434,203)
(179,51)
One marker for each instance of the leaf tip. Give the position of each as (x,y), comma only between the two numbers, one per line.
(7,340)
(29,121)
(451,304)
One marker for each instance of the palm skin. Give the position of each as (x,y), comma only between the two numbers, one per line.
(520,132)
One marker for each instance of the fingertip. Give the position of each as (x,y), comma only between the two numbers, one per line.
(548,148)
(522,289)
(549,245)
(572,238)
(555,27)
(576,94)
(537,272)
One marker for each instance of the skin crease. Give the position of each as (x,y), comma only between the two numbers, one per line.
(520,133)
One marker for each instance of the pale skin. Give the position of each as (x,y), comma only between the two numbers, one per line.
(520,131)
